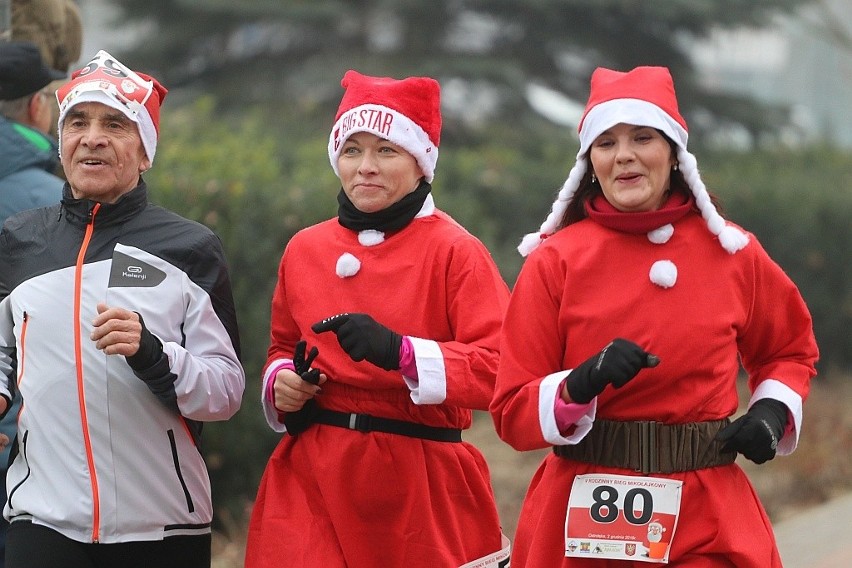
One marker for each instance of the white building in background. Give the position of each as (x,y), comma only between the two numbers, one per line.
(103,30)
(799,63)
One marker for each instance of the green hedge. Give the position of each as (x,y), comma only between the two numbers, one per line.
(799,204)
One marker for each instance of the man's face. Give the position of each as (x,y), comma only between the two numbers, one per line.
(102,152)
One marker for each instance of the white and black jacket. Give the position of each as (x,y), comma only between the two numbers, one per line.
(103,453)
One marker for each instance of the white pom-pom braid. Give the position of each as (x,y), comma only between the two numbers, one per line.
(661,235)
(663,273)
(530,242)
(371,237)
(347,265)
(733,239)
(716,223)
(557,210)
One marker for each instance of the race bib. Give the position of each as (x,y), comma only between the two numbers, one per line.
(622,517)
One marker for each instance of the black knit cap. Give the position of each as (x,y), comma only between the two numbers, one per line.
(23,71)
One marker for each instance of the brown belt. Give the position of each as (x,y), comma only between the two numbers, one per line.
(651,447)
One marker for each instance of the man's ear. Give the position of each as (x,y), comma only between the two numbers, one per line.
(36,104)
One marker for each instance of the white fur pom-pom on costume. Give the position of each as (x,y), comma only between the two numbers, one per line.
(371,237)
(663,273)
(661,235)
(347,265)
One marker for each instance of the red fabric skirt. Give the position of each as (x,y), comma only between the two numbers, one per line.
(333,497)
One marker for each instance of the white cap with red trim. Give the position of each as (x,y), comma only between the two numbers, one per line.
(107,81)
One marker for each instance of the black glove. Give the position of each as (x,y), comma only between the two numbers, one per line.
(362,337)
(616,364)
(299,421)
(150,364)
(150,350)
(756,433)
(303,365)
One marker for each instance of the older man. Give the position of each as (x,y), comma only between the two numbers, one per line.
(117,324)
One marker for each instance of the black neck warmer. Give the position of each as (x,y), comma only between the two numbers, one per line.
(390,219)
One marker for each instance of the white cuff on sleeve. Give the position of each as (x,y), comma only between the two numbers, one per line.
(772,388)
(431,384)
(269,411)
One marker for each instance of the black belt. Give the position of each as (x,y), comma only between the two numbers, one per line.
(368,423)
(651,447)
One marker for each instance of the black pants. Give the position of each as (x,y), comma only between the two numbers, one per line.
(34,546)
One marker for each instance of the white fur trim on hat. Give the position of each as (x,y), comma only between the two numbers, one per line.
(385,123)
(604,116)
(92,93)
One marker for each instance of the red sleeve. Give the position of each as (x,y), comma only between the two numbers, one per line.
(531,347)
(777,341)
(477,300)
(284,333)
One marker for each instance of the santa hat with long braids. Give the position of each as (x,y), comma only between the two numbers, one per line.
(644,96)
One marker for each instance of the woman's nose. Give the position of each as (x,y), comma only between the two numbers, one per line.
(368,164)
(624,153)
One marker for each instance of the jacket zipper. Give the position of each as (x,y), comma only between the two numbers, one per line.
(81,391)
(22,359)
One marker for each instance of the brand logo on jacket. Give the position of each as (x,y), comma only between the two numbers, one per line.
(127,271)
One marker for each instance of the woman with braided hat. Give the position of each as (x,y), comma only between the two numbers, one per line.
(622,345)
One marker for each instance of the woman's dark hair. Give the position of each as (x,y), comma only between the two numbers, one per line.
(576,209)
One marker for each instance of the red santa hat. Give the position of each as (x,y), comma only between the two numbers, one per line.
(644,96)
(406,112)
(106,80)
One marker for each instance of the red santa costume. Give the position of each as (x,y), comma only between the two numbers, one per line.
(335,496)
(701,300)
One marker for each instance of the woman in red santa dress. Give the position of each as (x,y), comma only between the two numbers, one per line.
(399,309)
(622,345)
